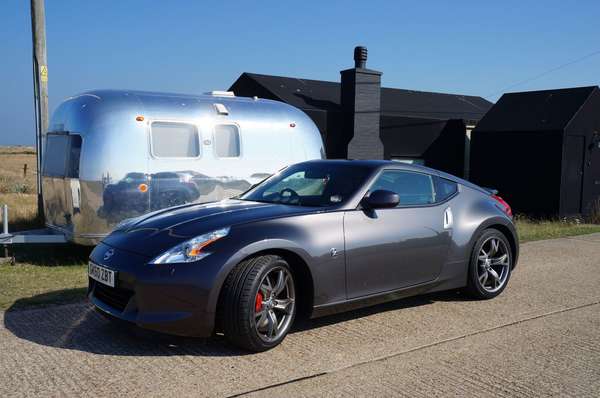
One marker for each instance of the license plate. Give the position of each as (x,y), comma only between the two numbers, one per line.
(101,274)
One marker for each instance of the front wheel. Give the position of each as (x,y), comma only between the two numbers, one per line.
(258,303)
(491,265)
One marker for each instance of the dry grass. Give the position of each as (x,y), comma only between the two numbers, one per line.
(18,190)
(14,178)
(530,230)
(17,150)
(22,211)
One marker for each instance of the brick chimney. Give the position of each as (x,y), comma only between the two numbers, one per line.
(361,107)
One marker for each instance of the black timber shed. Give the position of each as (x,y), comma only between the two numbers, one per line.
(414,125)
(541,150)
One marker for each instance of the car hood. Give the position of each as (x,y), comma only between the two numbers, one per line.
(154,233)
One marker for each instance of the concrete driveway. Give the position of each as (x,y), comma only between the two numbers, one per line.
(540,337)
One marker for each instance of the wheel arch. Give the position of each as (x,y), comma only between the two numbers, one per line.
(507,229)
(294,256)
(303,279)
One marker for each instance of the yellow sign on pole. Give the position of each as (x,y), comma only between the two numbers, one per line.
(44,73)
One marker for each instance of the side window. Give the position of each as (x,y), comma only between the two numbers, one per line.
(444,188)
(61,158)
(227,141)
(174,140)
(412,188)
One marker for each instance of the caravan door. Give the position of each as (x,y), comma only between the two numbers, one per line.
(60,179)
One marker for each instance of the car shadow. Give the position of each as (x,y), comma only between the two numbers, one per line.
(80,327)
(48,255)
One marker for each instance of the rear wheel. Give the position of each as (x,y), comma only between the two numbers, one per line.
(258,303)
(491,265)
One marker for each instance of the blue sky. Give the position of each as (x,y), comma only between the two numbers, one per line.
(468,47)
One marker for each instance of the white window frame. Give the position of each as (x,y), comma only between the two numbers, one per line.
(214,140)
(150,139)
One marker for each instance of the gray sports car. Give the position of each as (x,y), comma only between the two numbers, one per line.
(315,238)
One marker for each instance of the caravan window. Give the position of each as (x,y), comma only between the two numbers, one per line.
(227,141)
(55,155)
(61,157)
(174,140)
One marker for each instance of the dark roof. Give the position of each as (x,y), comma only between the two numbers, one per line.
(547,110)
(318,94)
(424,104)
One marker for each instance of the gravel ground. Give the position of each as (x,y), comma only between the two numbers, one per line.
(540,337)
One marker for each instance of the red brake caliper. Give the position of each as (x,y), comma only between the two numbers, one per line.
(259,301)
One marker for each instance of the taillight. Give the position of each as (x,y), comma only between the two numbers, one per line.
(503,205)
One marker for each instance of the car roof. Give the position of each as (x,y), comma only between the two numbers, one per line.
(381,164)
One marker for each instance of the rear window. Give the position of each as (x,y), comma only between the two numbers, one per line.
(62,155)
(174,140)
(444,189)
(227,141)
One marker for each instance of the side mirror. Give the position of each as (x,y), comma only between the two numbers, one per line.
(381,199)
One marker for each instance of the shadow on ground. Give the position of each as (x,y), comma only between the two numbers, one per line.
(50,299)
(80,327)
(49,255)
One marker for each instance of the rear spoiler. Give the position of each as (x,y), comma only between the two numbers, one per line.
(491,191)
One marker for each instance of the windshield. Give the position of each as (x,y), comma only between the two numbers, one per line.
(318,184)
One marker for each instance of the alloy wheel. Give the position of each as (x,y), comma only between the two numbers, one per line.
(274,304)
(493,264)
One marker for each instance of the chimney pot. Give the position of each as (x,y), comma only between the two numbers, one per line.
(360,57)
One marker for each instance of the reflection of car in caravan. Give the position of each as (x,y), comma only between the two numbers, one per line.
(164,189)
(111,155)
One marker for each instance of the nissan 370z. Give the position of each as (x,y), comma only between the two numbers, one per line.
(317,237)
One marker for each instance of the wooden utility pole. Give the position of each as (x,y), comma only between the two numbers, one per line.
(40,87)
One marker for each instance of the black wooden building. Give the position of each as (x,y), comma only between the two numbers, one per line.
(360,119)
(541,150)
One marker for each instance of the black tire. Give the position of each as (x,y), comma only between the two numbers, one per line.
(237,301)
(474,286)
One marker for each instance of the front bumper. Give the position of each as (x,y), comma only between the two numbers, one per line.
(168,298)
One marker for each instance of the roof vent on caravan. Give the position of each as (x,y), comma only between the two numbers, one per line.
(221,109)
(221,93)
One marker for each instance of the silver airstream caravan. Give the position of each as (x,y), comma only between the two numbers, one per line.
(111,155)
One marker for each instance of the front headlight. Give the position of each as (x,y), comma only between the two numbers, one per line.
(191,250)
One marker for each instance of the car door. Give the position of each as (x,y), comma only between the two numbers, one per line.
(388,249)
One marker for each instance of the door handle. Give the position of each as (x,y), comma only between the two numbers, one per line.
(448,219)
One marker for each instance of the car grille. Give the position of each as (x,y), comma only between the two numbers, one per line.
(113,296)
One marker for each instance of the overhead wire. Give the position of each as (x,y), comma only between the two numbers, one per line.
(540,75)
